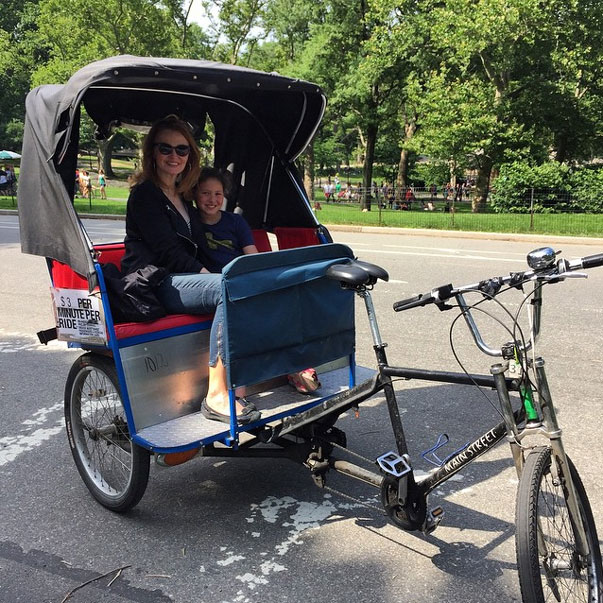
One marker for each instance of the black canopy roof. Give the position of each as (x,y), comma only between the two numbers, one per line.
(262,122)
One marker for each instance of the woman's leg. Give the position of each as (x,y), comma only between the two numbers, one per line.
(202,294)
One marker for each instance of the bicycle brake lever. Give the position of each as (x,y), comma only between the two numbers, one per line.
(558,277)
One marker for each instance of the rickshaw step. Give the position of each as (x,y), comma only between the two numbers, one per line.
(275,405)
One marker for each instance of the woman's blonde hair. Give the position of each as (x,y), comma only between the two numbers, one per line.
(188,179)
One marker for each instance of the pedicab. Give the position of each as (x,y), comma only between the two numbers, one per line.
(136,390)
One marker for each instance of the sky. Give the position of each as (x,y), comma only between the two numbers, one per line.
(197,13)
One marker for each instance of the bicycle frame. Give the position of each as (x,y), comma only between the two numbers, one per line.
(411,490)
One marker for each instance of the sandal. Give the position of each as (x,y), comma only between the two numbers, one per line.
(245,403)
(305,382)
(246,416)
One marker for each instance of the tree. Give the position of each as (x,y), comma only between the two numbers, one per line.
(577,80)
(399,51)
(494,96)
(237,23)
(332,57)
(18,55)
(289,25)
(76,32)
(192,41)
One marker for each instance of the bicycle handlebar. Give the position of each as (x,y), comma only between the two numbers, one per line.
(440,294)
(545,270)
(490,287)
(592,261)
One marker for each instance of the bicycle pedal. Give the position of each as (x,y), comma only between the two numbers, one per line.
(433,519)
(394,464)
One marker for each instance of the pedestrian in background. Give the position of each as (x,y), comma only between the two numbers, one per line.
(102,183)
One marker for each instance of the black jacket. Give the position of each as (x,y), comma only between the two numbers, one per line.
(156,233)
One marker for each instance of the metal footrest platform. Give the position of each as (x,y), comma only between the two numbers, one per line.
(274,404)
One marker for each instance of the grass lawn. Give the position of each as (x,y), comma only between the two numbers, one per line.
(463,219)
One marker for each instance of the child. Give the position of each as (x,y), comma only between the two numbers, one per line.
(227,236)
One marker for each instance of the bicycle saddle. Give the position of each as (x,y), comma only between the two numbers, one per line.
(357,273)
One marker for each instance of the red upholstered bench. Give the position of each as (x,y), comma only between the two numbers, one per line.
(63,277)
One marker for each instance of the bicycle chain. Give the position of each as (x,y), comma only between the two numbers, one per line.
(348,496)
(352,453)
(353,499)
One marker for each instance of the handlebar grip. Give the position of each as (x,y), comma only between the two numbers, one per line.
(413,302)
(592,261)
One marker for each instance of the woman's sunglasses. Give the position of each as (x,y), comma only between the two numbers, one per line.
(182,150)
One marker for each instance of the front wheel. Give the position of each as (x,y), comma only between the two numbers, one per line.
(550,567)
(115,469)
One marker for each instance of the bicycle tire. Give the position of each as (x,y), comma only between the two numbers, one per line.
(558,573)
(114,469)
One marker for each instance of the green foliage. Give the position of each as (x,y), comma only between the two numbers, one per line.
(78,33)
(549,188)
(472,84)
(327,153)
(18,55)
(587,188)
(431,172)
(236,27)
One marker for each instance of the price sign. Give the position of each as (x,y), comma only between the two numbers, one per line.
(79,316)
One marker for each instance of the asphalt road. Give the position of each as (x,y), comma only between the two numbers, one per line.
(251,530)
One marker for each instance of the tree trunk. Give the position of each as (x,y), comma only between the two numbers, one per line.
(105,150)
(482,184)
(367,168)
(452,171)
(402,179)
(561,153)
(309,171)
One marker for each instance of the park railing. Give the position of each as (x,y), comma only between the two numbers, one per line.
(544,211)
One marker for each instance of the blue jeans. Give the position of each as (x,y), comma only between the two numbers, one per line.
(195,293)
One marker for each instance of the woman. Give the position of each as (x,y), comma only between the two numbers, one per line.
(162,229)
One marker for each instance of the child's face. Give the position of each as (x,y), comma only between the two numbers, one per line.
(210,196)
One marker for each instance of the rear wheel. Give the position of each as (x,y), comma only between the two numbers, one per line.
(550,567)
(115,469)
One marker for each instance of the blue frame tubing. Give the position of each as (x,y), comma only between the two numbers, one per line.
(113,345)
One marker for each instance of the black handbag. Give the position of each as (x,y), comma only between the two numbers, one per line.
(131,296)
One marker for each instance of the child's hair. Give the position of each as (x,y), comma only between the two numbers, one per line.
(212,173)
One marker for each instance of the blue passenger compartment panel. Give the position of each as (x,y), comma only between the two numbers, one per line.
(282,314)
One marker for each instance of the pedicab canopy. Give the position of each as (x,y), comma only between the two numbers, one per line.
(261,123)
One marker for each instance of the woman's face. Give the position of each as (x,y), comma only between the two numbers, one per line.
(170,151)
(210,197)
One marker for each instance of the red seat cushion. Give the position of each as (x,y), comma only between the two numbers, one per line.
(288,238)
(134,329)
(261,240)
(110,253)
